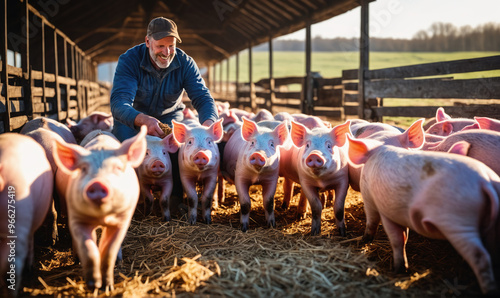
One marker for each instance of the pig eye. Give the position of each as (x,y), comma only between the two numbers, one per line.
(164,153)
(307,145)
(190,142)
(272,145)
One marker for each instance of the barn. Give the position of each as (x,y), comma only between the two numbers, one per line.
(56,46)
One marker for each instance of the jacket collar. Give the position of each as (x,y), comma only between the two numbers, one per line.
(147,65)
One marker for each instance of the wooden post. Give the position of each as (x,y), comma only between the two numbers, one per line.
(26,57)
(236,81)
(272,94)
(214,83)
(308,106)
(56,74)
(5,71)
(227,79)
(220,78)
(25,61)
(44,98)
(364,54)
(253,104)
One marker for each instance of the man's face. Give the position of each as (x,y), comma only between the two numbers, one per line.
(162,51)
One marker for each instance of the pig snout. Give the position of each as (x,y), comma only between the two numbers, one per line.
(315,160)
(201,159)
(157,168)
(97,192)
(257,160)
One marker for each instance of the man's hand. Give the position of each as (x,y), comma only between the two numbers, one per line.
(208,122)
(151,123)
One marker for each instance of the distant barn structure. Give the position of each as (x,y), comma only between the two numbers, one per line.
(52,49)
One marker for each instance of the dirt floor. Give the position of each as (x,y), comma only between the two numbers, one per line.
(218,260)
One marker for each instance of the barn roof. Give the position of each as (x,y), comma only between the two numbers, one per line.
(211,30)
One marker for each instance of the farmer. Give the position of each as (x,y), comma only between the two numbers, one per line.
(149,81)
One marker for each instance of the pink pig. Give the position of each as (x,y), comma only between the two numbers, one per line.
(317,162)
(198,162)
(155,172)
(252,156)
(25,194)
(96,120)
(438,195)
(483,145)
(101,189)
(488,123)
(412,138)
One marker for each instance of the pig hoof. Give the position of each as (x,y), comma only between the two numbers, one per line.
(301,216)
(271,224)
(208,220)
(192,220)
(342,231)
(315,231)
(244,227)
(367,238)
(284,206)
(166,218)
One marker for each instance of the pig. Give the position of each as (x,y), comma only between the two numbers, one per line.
(438,195)
(365,129)
(101,189)
(199,160)
(26,183)
(96,120)
(155,172)
(49,124)
(412,138)
(317,162)
(263,115)
(252,156)
(440,116)
(449,126)
(483,145)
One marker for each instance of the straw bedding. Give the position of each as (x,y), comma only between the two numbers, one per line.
(176,259)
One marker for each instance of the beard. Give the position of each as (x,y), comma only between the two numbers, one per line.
(160,60)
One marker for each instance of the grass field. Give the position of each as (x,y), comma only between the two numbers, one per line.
(331,64)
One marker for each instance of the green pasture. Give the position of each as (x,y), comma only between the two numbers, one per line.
(331,64)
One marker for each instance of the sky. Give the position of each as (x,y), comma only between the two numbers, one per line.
(404,18)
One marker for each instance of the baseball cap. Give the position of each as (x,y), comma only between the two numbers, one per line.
(162,27)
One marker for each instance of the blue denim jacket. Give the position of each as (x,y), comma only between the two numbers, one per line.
(139,88)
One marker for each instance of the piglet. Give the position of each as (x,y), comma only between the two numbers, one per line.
(488,123)
(198,162)
(438,195)
(252,156)
(155,173)
(26,182)
(96,120)
(317,162)
(101,190)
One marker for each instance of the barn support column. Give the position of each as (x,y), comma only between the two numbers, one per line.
(220,78)
(272,95)
(5,72)
(308,105)
(364,54)
(236,83)
(253,103)
(226,95)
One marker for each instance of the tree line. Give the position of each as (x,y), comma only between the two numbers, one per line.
(440,37)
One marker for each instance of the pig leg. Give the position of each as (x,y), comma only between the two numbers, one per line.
(268,192)
(147,194)
(166,192)
(220,191)
(242,188)
(312,196)
(192,196)
(287,193)
(207,198)
(109,246)
(469,245)
(88,253)
(338,207)
(398,236)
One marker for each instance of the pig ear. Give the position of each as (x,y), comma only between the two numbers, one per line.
(298,134)
(414,136)
(170,143)
(447,128)
(135,148)
(339,132)
(441,115)
(70,122)
(96,118)
(179,131)
(66,156)
(217,130)
(461,148)
(281,132)
(472,126)
(488,123)
(357,151)
(248,128)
